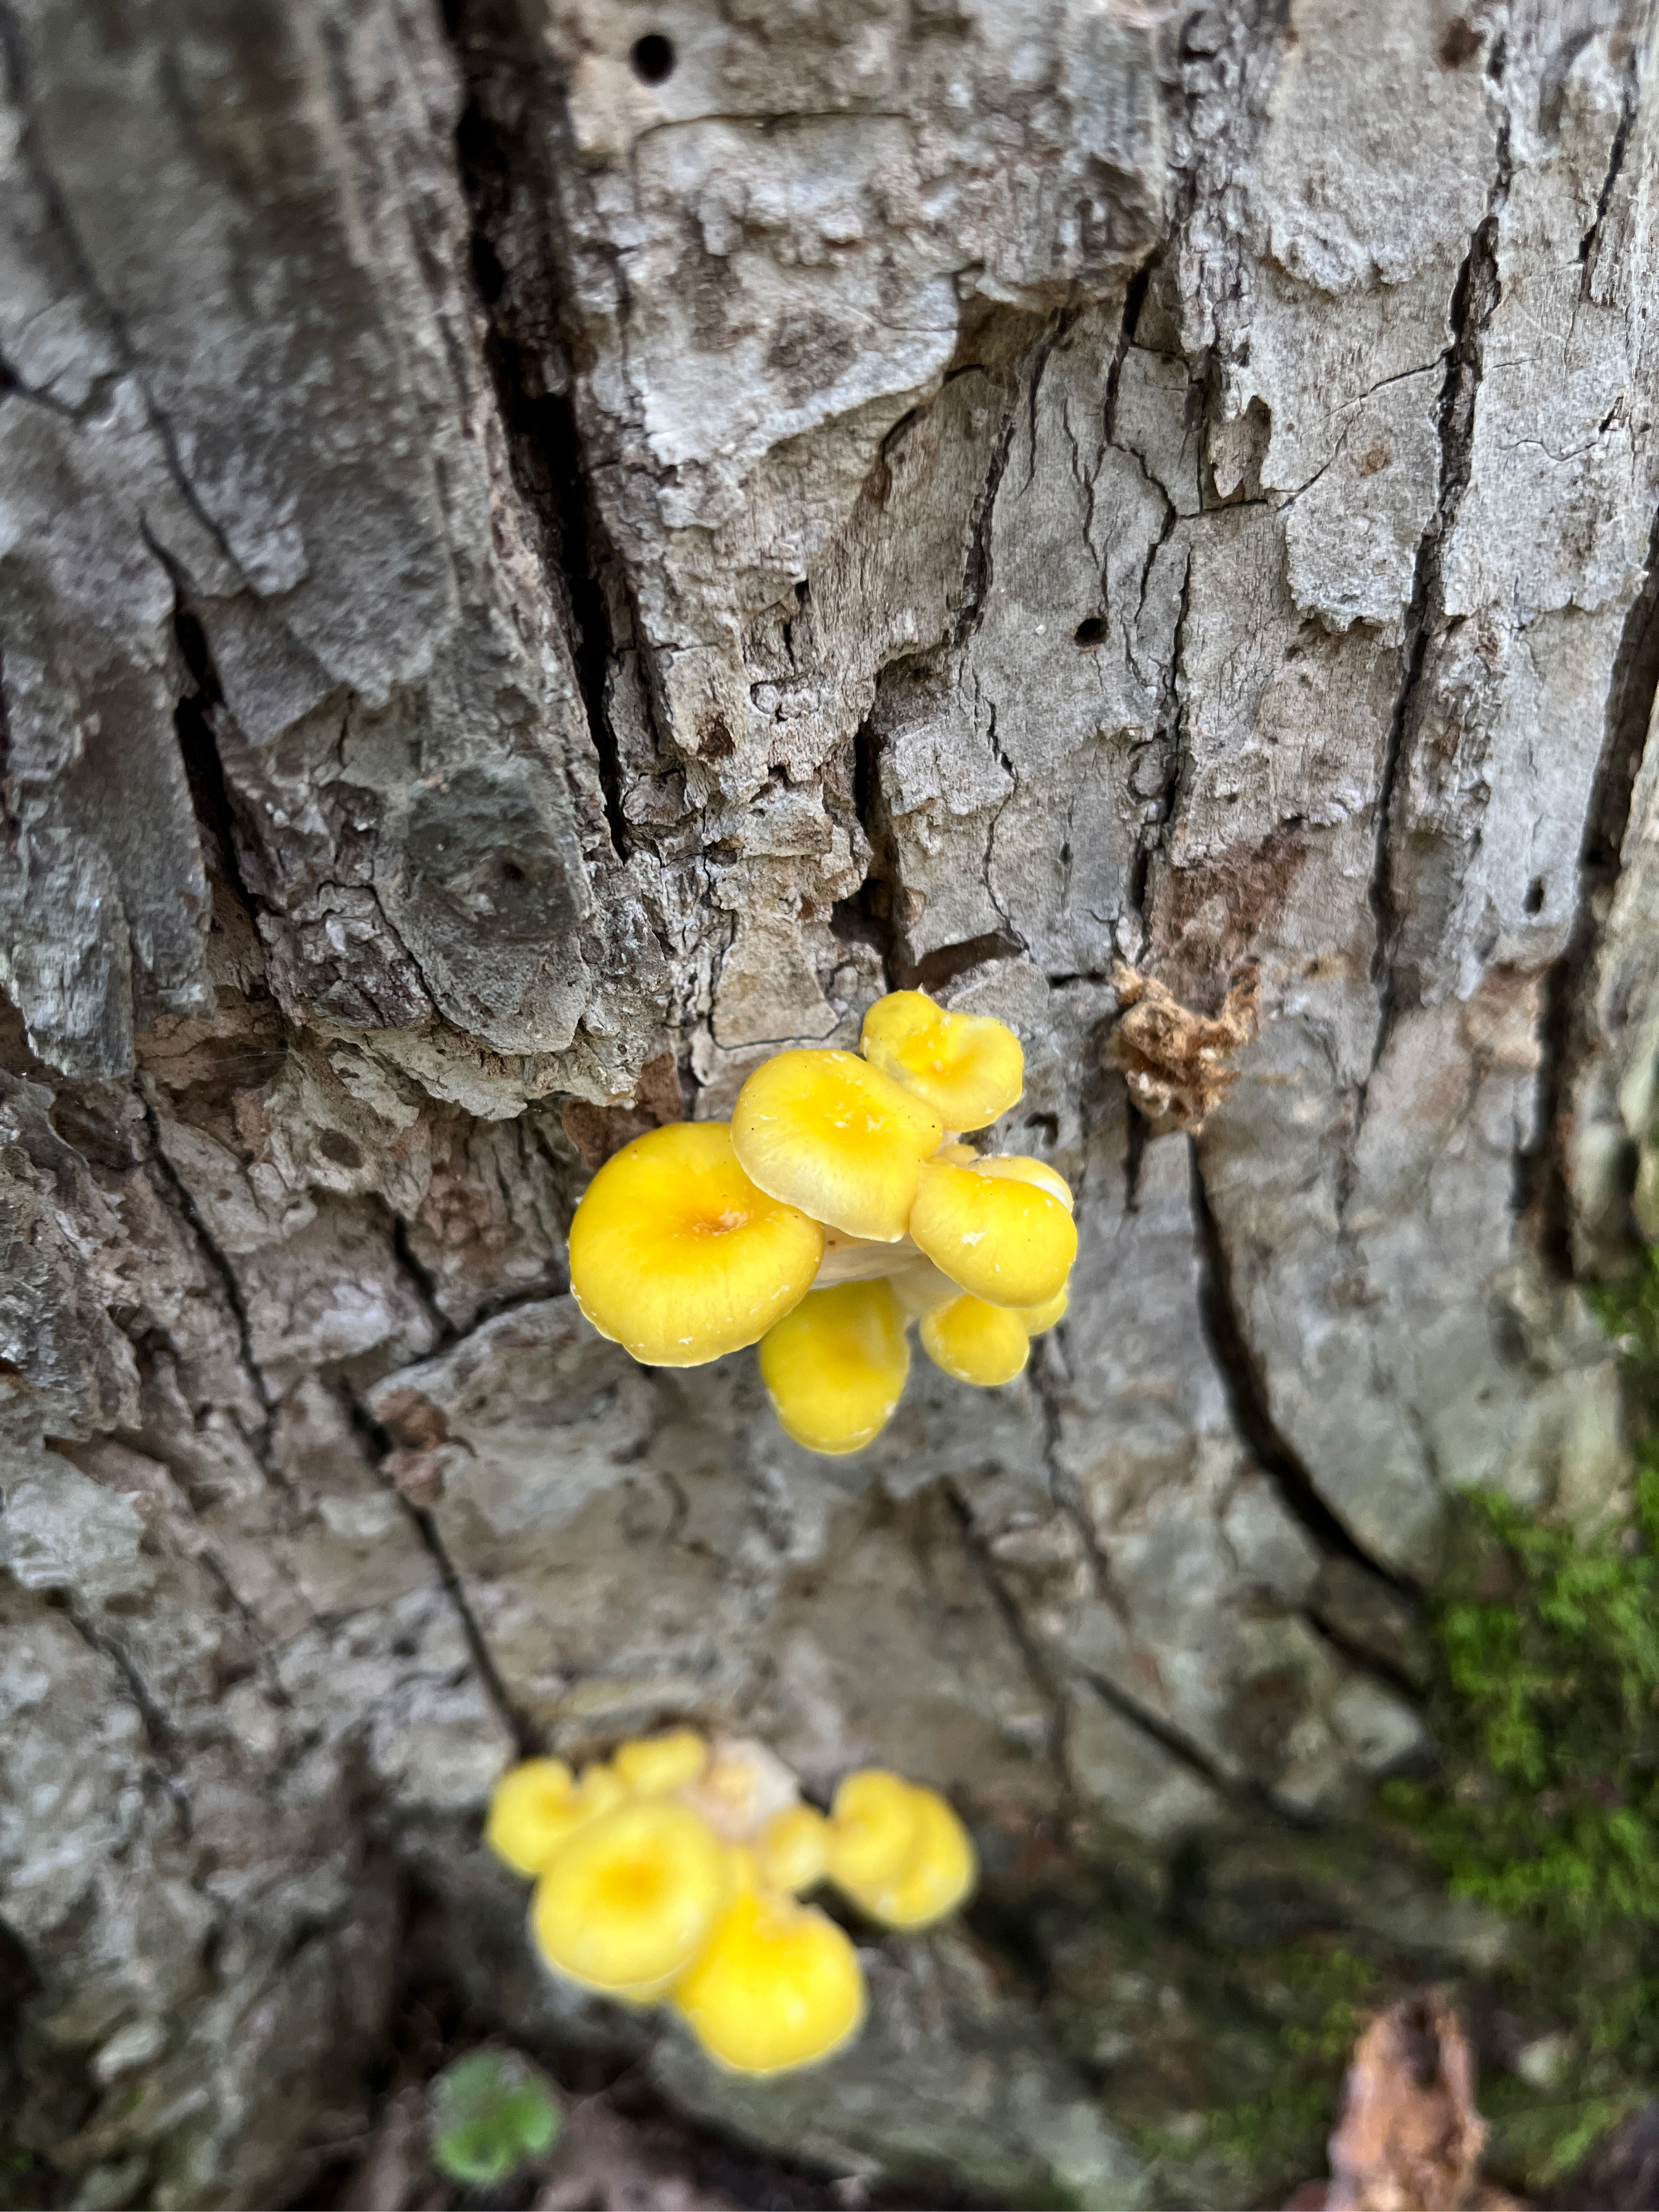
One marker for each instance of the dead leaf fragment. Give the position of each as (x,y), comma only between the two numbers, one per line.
(1177,1064)
(1410,2137)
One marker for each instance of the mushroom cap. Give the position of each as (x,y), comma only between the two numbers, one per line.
(779,1985)
(630,1898)
(968,1067)
(533,1809)
(872,1827)
(1021,1168)
(835,1367)
(976,1343)
(935,1878)
(793,1850)
(652,1766)
(826,1132)
(999,1236)
(675,1254)
(1033,1320)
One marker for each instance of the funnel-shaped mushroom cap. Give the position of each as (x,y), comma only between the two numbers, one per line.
(779,1985)
(968,1067)
(976,1343)
(835,1367)
(1019,1168)
(534,1807)
(827,1132)
(935,1878)
(652,1766)
(872,1827)
(676,1255)
(1004,1239)
(1035,1320)
(631,1897)
(793,1851)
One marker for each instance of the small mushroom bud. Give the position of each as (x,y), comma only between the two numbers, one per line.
(793,1850)
(655,1766)
(676,1256)
(779,1985)
(934,1878)
(872,1827)
(968,1067)
(1007,1240)
(826,1132)
(835,1367)
(976,1343)
(535,1807)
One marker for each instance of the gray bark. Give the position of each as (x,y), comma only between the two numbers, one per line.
(527,583)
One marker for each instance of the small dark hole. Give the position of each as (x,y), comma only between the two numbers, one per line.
(1091,631)
(512,873)
(1534,901)
(653,58)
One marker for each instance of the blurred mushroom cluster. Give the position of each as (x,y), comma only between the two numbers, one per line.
(837,1204)
(673,1872)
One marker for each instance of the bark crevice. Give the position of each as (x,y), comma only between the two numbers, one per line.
(1248,1397)
(1567,1022)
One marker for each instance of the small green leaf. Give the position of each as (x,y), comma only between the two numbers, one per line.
(490,2111)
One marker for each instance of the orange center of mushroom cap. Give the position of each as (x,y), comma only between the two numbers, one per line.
(976,1343)
(678,1255)
(968,1067)
(935,1877)
(835,1367)
(998,1237)
(631,1897)
(779,1985)
(826,1132)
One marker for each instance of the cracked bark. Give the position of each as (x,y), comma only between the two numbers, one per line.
(591,579)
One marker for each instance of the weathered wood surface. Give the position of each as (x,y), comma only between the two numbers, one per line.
(526,582)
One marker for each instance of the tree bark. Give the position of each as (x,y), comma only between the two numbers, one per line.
(546,553)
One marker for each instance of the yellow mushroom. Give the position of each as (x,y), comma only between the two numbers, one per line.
(934,1880)
(533,1808)
(1035,1320)
(601,1789)
(779,1985)
(968,1067)
(629,1899)
(1018,1167)
(652,1766)
(835,1367)
(1005,1240)
(976,1343)
(826,1132)
(793,1850)
(873,1827)
(677,1256)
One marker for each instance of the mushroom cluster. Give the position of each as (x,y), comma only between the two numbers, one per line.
(674,1871)
(837,1204)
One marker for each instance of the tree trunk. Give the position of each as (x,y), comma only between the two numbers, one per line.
(549,552)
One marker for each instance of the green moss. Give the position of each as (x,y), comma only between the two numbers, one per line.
(1546,1807)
